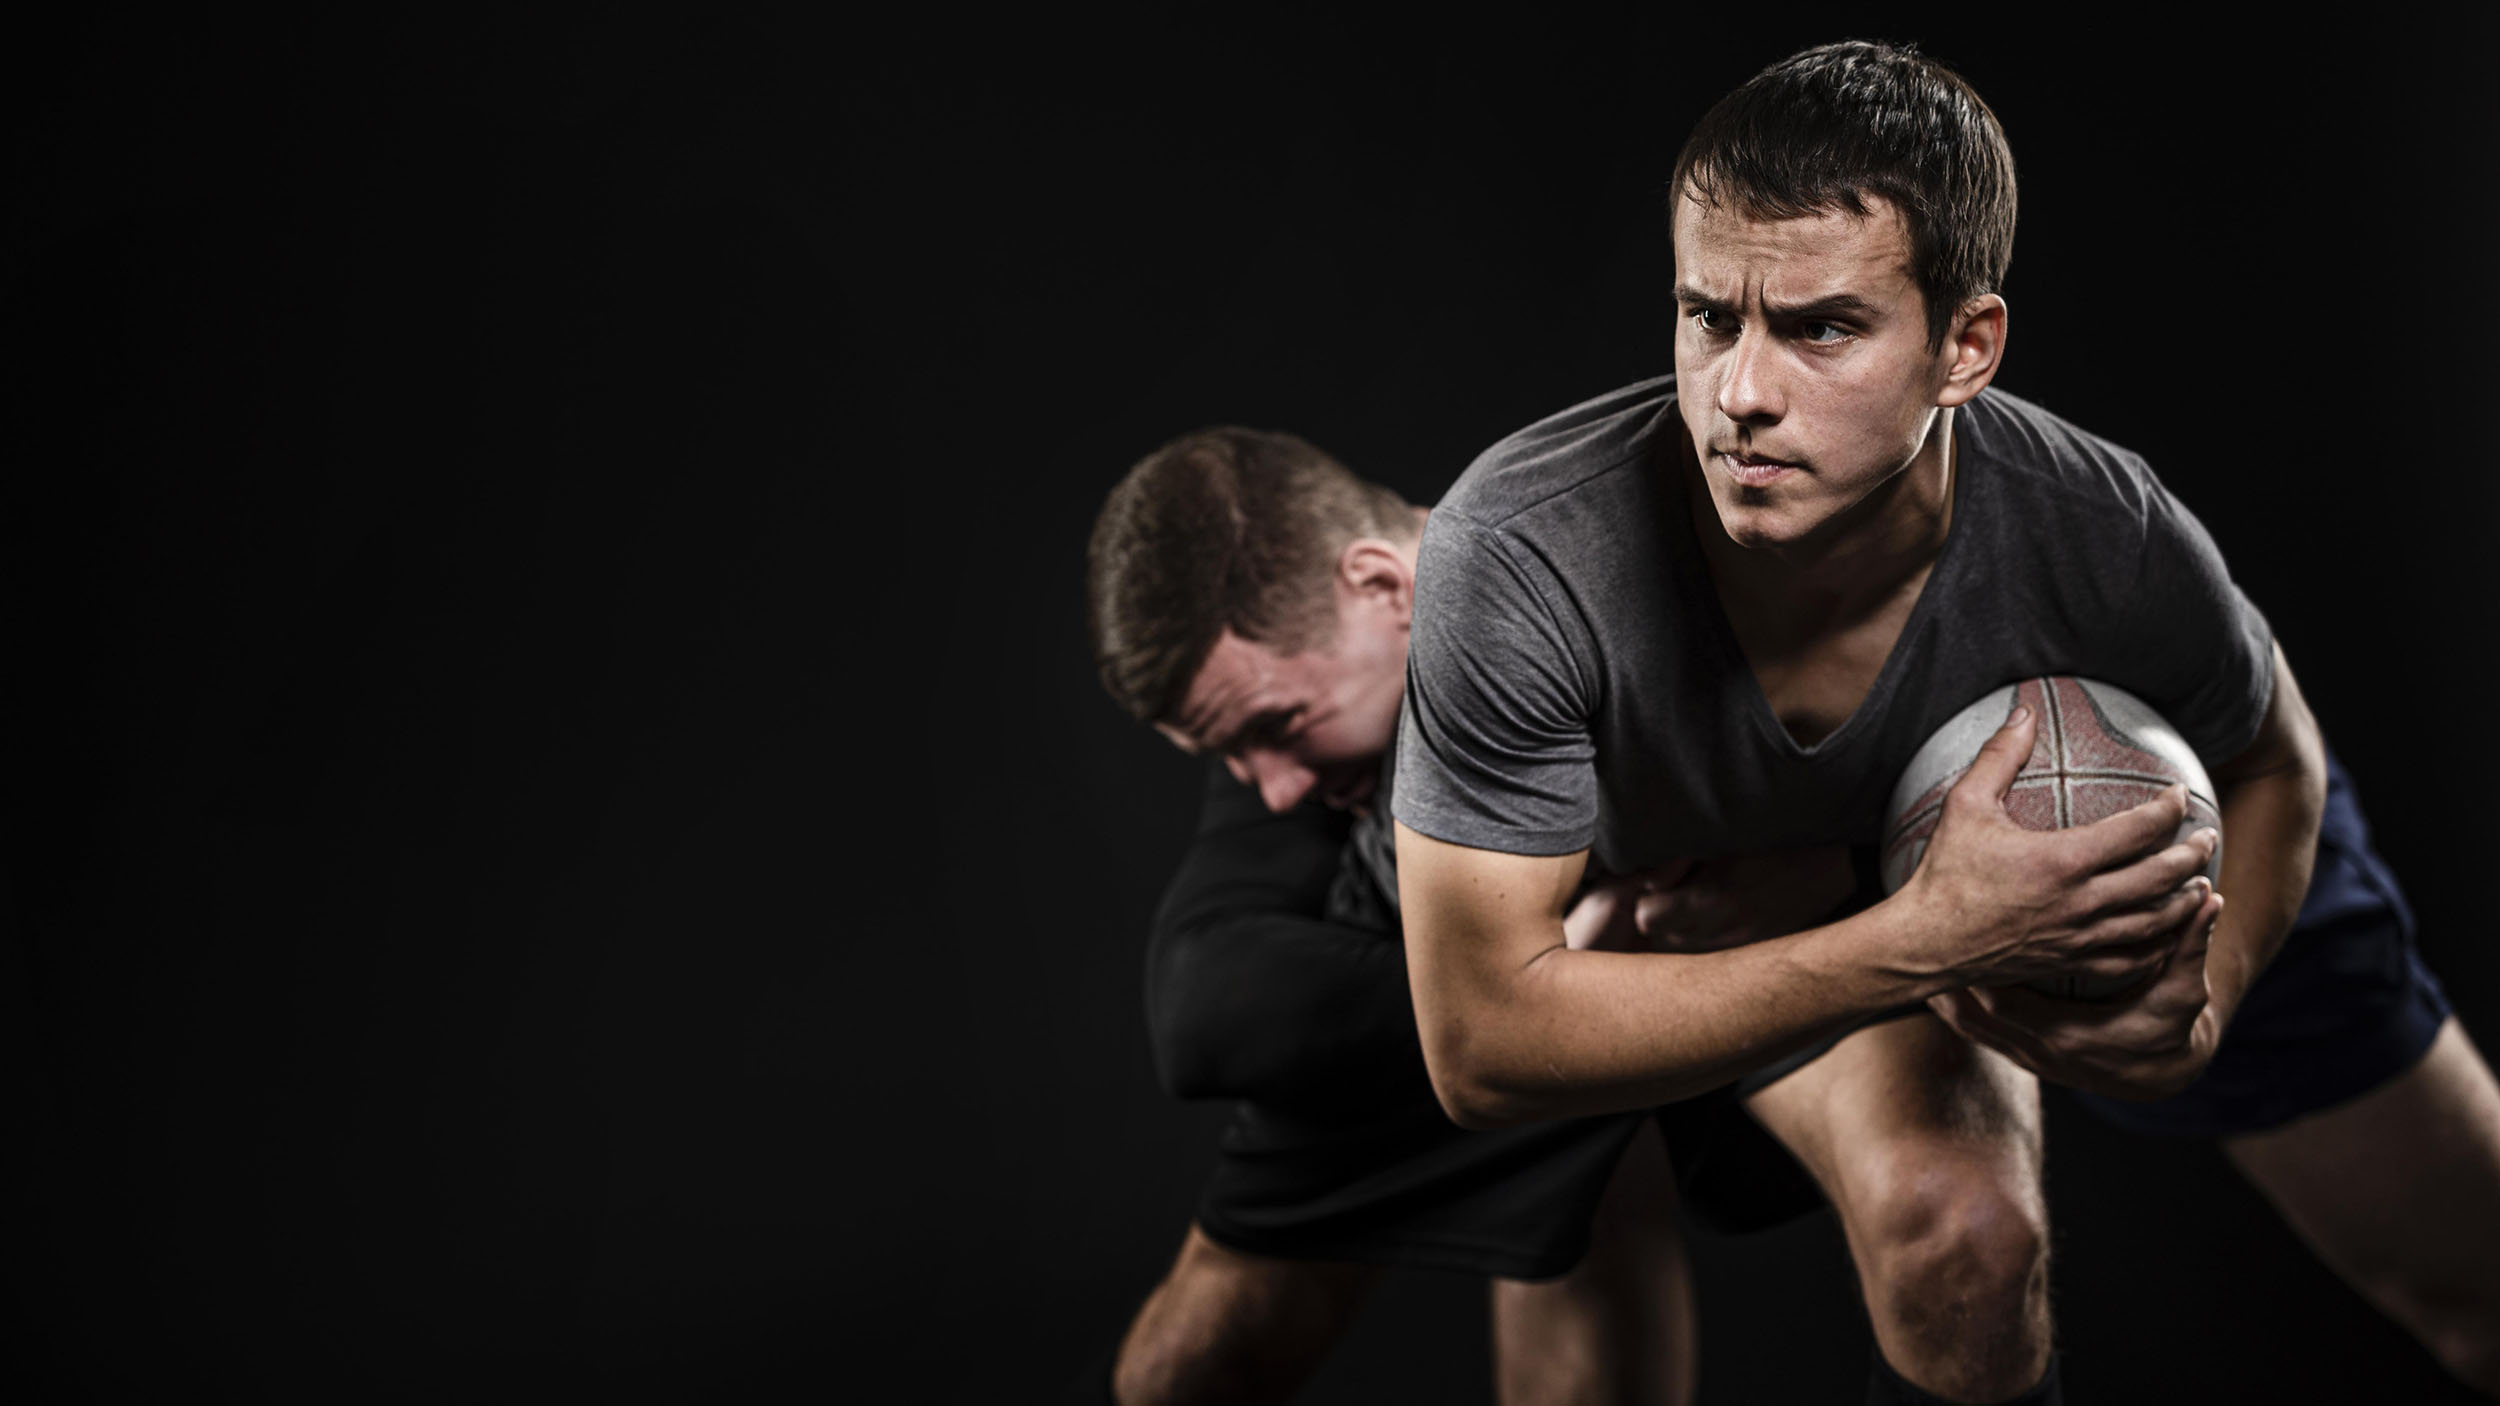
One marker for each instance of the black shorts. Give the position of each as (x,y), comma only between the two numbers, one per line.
(1408,1187)
(2345,1006)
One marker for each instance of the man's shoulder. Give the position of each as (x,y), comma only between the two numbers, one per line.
(2036,451)
(1571,452)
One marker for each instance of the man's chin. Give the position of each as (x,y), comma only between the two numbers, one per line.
(1768,526)
(1760,531)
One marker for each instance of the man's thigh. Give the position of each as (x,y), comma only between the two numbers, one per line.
(1904,1089)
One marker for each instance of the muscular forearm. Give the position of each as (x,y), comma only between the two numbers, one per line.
(1516,1026)
(1574,1033)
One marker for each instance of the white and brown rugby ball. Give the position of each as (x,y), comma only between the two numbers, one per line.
(2097,750)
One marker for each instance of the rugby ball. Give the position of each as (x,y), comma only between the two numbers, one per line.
(2097,750)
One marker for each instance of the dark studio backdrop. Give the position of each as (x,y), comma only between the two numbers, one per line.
(565,840)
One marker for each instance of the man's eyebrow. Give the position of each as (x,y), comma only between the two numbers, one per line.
(1835,305)
(1265,717)
(1848,305)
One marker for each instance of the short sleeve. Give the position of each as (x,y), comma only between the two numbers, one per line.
(1494,745)
(2209,653)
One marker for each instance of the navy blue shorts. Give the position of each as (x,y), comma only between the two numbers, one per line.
(2346,1005)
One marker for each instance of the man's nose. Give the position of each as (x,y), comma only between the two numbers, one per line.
(1282,781)
(1750,392)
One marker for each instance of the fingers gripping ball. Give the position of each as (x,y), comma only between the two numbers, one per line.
(2097,750)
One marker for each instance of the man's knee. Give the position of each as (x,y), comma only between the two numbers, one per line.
(1953,1235)
(1954,1253)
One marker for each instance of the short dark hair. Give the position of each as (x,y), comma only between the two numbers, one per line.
(1824,129)
(1223,528)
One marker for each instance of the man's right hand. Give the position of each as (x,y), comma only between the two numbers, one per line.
(2000,904)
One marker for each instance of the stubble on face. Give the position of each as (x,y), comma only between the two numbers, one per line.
(1804,374)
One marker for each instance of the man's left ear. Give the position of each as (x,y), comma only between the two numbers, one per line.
(1974,346)
(1371,569)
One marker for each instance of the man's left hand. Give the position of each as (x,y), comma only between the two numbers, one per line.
(2147,1045)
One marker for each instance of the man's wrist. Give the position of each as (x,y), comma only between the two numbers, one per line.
(1892,931)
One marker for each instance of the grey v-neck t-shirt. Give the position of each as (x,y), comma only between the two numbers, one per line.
(1572,682)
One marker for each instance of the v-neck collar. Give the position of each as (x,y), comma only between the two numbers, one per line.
(1697,584)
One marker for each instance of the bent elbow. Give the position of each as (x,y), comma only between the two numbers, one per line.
(1466,1090)
(1476,1108)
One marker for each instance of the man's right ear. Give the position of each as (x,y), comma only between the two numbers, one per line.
(1977,346)
(1374,568)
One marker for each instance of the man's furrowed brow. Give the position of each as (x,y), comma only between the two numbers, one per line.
(1835,305)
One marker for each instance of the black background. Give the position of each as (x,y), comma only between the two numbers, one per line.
(565,836)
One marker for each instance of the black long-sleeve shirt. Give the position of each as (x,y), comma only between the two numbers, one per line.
(1276,972)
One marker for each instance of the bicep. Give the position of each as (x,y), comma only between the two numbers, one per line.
(1475,917)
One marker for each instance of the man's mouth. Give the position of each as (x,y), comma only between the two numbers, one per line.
(1755,470)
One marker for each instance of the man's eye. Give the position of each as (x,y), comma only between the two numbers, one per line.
(1823,332)
(1712,320)
(1276,729)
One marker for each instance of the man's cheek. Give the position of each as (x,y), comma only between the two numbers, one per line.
(1339,752)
